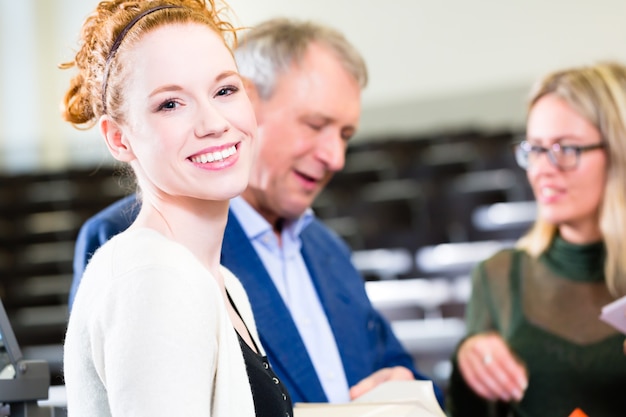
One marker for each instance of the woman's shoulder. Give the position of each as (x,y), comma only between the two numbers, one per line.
(143,261)
(501,263)
(144,255)
(146,246)
(501,256)
(143,238)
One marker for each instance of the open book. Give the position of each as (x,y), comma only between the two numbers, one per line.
(390,399)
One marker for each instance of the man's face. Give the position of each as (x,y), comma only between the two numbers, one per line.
(303,133)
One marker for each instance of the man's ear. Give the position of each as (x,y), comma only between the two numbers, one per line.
(116,140)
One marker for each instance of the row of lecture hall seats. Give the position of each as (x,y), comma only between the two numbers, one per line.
(40,215)
(413,193)
(418,213)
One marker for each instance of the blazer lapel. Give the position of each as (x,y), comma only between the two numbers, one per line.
(327,274)
(278,333)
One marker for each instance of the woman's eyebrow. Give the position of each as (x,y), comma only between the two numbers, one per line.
(169,87)
(227,74)
(176,87)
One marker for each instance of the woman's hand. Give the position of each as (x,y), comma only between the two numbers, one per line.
(490,368)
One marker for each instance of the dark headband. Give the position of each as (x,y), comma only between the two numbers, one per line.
(116,45)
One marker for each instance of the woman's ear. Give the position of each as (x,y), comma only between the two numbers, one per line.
(115,139)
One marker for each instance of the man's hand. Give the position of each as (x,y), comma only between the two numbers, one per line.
(397,373)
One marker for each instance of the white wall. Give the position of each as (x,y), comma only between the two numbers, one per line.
(429,48)
(452,63)
(433,65)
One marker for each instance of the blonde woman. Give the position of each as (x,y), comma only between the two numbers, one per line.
(535,345)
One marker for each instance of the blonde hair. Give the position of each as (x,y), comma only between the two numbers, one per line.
(598,93)
(98,59)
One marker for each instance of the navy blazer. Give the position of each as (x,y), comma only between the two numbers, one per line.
(364,338)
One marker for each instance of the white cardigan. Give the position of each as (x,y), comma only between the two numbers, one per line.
(149,335)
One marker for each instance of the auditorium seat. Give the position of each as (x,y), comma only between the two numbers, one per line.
(41,213)
(383,263)
(504,220)
(456,259)
(465,192)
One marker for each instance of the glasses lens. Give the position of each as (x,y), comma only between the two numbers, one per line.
(565,157)
(521,155)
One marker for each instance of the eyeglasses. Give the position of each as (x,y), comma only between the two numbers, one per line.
(565,157)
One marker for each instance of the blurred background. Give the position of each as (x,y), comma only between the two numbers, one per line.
(430,185)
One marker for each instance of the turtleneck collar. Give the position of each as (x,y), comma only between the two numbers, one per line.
(583,263)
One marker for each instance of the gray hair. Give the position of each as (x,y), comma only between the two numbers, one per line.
(273,46)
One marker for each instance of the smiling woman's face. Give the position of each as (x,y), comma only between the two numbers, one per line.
(570,199)
(190,124)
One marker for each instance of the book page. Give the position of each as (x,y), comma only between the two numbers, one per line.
(390,399)
(358,410)
(615,314)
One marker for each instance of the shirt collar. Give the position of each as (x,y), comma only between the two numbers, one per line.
(254,225)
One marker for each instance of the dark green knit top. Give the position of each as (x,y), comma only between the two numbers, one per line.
(547,310)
